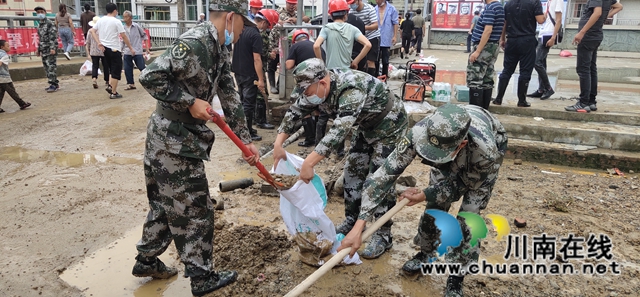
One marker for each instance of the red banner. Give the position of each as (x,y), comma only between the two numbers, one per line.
(454,14)
(25,40)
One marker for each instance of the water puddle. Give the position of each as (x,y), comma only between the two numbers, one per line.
(107,272)
(64,159)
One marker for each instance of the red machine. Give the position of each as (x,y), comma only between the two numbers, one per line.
(418,79)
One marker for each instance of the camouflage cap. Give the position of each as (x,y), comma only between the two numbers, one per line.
(437,136)
(306,73)
(239,7)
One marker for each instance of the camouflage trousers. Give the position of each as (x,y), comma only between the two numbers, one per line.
(180,210)
(51,69)
(474,200)
(368,151)
(480,73)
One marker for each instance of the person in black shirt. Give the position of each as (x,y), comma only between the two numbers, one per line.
(519,43)
(247,68)
(407,34)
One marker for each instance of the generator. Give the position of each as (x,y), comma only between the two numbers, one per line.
(418,78)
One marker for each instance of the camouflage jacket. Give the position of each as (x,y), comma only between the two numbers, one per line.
(48,36)
(266,49)
(475,165)
(275,31)
(195,66)
(355,97)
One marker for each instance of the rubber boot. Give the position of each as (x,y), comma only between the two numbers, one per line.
(454,285)
(502,88)
(486,98)
(261,117)
(475,97)
(271,76)
(252,132)
(309,132)
(522,94)
(321,127)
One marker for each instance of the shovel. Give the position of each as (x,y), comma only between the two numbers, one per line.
(337,258)
(264,173)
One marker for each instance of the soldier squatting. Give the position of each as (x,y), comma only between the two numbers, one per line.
(464,147)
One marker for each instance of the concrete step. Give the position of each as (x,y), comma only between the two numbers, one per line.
(572,155)
(630,118)
(601,135)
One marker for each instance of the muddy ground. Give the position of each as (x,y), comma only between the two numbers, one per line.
(72,189)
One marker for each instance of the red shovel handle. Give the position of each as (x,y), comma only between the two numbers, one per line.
(225,128)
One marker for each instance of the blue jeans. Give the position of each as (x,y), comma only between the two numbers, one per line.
(128,66)
(67,39)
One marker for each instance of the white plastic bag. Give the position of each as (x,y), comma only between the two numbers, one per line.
(217,106)
(86,68)
(302,208)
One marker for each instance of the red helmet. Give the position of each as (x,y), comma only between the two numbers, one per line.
(298,32)
(255,4)
(270,15)
(338,5)
(292,1)
(350,1)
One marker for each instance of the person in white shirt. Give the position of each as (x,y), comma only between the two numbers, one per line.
(547,38)
(109,28)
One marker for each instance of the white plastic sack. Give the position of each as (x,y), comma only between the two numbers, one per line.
(429,59)
(302,206)
(86,68)
(217,106)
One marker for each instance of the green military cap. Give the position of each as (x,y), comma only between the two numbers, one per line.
(306,73)
(437,136)
(239,7)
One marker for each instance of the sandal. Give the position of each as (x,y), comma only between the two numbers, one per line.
(26,104)
(130,87)
(95,85)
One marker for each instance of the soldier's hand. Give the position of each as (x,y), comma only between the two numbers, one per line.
(352,240)
(414,195)
(199,110)
(474,56)
(278,154)
(252,160)
(53,52)
(306,173)
(272,55)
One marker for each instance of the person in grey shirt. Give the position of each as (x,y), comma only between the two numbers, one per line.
(136,36)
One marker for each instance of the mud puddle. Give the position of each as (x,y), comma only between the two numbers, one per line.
(107,272)
(64,159)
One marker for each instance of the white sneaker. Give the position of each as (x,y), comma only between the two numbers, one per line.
(67,56)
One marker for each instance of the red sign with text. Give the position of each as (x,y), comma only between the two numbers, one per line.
(25,40)
(454,14)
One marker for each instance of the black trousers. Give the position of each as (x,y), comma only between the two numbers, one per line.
(95,60)
(519,50)
(11,90)
(541,67)
(418,32)
(469,42)
(406,43)
(384,57)
(588,71)
(248,93)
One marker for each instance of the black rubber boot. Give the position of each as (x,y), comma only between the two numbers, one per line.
(454,285)
(261,117)
(502,88)
(475,97)
(272,82)
(252,132)
(309,132)
(522,94)
(486,98)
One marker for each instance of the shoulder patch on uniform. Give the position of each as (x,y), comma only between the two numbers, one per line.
(180,50)
(403,145)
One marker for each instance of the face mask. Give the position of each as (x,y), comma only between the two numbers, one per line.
(315,99)
(354,6)
(228,38)
(41,16)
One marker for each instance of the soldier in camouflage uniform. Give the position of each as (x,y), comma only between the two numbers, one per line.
(184,79)
(358,99)
(287,14)
(480,69)
(464,146)
(47,47)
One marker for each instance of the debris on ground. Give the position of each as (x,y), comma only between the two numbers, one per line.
(287,180)
(311,250)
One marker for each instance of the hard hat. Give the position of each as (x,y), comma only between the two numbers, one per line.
(292,1)
(338,5)
(298,32)
(255,4)
(270,15)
